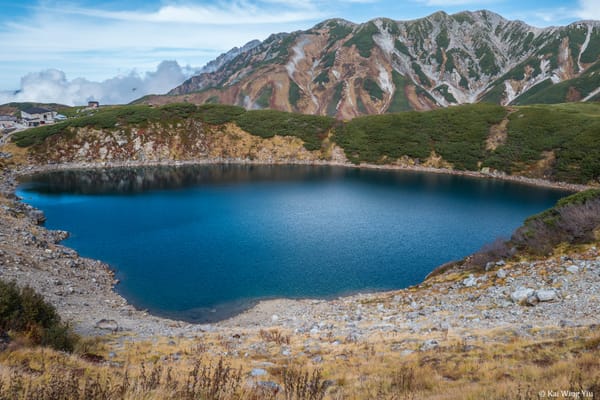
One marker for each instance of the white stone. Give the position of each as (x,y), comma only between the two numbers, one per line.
(470,281)
(258,372)
(573,269)
(521,294)
(501,274)
(546,294)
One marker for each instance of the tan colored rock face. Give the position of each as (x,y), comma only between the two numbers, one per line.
(192,140)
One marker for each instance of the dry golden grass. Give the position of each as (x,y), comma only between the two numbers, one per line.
(500,365)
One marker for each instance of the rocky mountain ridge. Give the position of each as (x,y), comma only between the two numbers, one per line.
(343,69)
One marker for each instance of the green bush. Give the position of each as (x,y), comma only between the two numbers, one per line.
(399,101)
(294,94)
(23,310)
(458,134)
(268,123)
(217,114)
(570,131)
(363,39)
(373,89)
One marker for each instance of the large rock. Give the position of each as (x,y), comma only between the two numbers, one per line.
(521,294)
(107,324)
(37,216)
(546,295)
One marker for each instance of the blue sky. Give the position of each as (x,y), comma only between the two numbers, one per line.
(98,40)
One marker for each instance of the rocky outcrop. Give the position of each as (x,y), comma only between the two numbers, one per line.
(188,141)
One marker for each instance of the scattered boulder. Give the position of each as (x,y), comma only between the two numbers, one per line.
(546,295)
(521,294)
(258,372)
(501,274)
(107,324)
(470,281)
(37,216)
(532,300)
(269,386)
(573,269)
(429,345)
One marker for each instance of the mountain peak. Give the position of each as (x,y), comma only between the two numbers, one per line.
(345,69)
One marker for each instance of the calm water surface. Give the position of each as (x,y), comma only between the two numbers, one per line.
(204,242)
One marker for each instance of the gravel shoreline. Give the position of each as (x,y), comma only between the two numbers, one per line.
(83,289)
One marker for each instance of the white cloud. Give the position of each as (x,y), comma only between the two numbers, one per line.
(450,3)
(234,12)
(589,9)
(97,42)
(52,86)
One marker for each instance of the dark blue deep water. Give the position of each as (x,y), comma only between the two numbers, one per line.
(203,242)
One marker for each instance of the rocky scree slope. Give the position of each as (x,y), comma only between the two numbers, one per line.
(343,69)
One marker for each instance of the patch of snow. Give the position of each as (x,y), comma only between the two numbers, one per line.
(584,46)
(555,78)
(384,80)
(308,88)
(298,55)
(247,102)
(348,96)
(510,92)
(384,39)
(335,73)
(544,66)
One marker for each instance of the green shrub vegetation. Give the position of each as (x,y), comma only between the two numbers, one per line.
(294,94)
(399,101)
(592,51)
(373,89)
(328,60)
(217,114)
(495,95)
(557,93)
(24,311)
(571,131)
(312,129)
(401,47)
(264,97)
(444,91)
(487,61)
(337,31)
(363,39)
(337,96)
(458,134)
(533,92)
(322,78)
(442,38)
(423,79)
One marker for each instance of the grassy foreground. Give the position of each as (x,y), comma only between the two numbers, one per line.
(507,368)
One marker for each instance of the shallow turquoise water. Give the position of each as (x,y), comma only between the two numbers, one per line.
(201,243)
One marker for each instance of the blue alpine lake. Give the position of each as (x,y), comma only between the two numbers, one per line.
(202,243)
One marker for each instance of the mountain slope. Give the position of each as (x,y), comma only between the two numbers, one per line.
(342,69)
